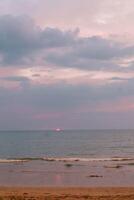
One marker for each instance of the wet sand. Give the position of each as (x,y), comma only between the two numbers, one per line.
(105,193)
(67,174)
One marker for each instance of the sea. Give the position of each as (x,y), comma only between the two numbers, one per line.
(67,158)
(67,144)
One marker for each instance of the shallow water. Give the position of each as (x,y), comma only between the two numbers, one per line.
(42,173)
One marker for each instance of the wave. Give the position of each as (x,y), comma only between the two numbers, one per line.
(12,160)
(64,159)
(88,159)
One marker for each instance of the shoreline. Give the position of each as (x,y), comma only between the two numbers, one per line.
(68,193)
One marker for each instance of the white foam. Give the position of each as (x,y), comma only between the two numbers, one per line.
(87,159)
(65,159)
(11,160)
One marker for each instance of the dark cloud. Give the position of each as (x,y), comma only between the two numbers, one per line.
(92,53)
(36,75)
(15,78)
(120,79)
(20,38)
(22,42)
(62,97)
(77,101)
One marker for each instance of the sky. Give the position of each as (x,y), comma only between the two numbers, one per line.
(66,64)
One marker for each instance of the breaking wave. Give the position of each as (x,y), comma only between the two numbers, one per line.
(64,159)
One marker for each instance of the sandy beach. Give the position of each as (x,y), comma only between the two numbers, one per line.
(105,193)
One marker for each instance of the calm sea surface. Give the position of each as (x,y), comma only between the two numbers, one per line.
(78,143)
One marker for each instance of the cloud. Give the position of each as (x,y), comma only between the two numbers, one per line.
(51,105)
(93,17)
(20,38)
(23,43)
(55,76)
(15,78)
(64,97)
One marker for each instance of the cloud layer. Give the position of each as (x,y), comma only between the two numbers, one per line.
(24,43)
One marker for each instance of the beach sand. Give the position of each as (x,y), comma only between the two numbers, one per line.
(104,193)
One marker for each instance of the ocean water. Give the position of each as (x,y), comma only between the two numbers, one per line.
(104,158)
(67,144)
